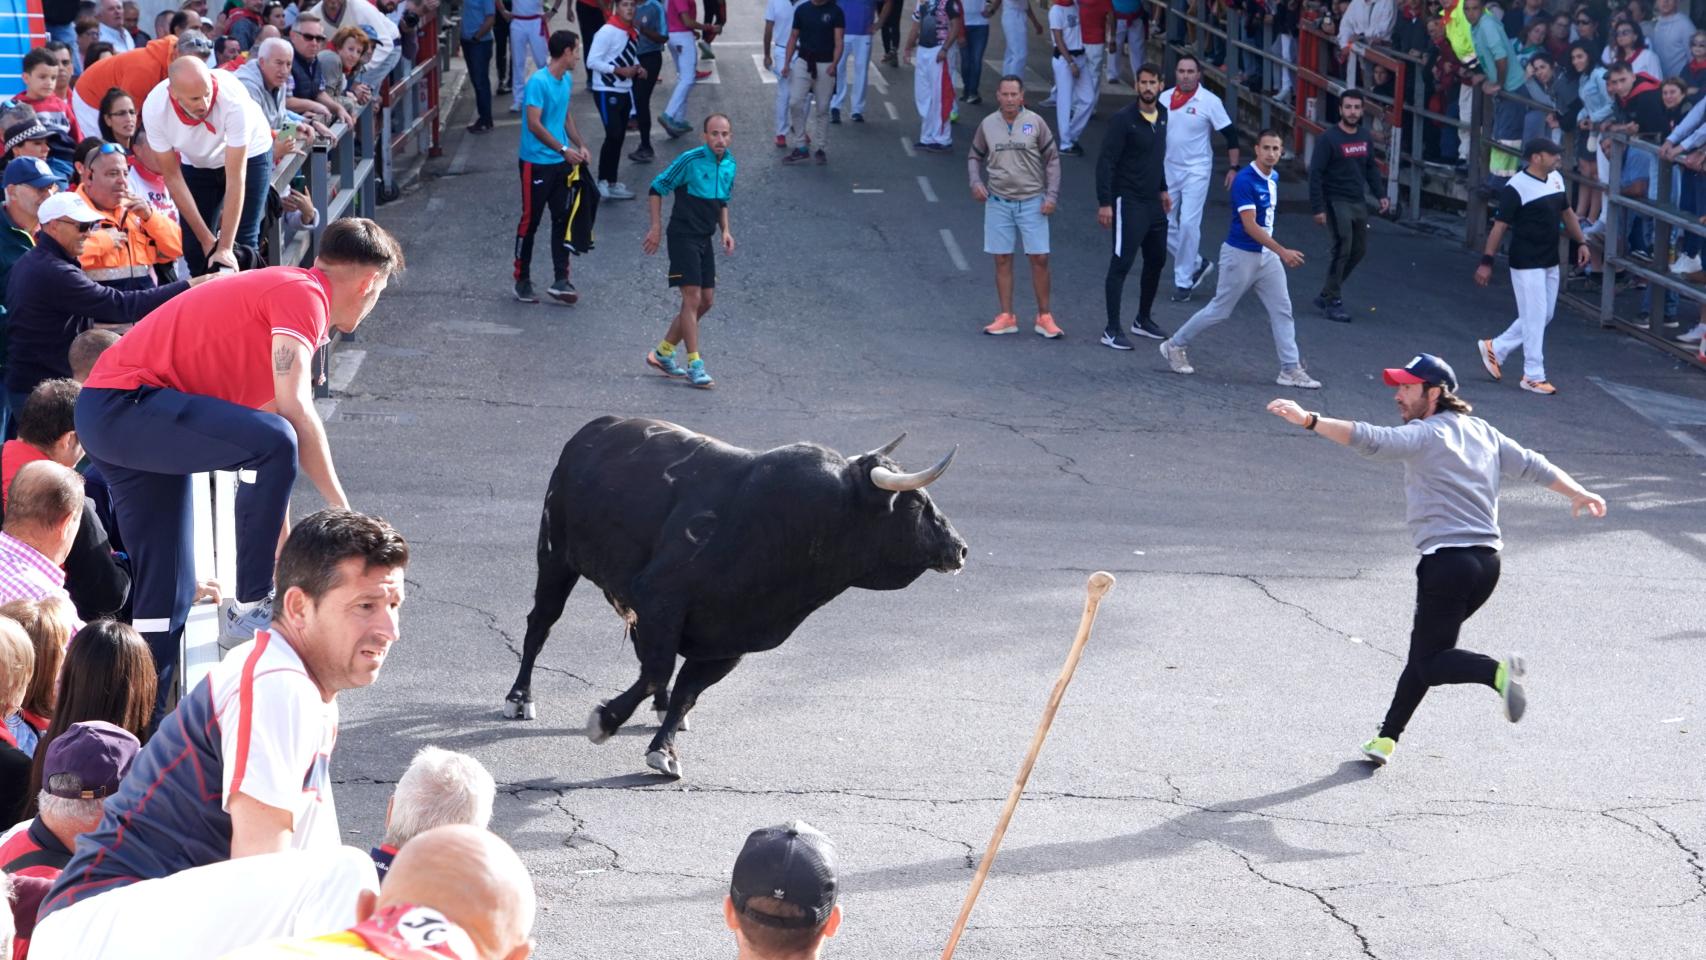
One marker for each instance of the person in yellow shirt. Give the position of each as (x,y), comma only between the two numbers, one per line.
(133,237)
(453,893)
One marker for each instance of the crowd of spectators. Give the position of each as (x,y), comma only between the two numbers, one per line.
(1571,71)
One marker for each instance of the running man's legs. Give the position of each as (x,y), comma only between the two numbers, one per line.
(1184,223)
(1536,296)
(1451,584)
(1239,271)
(1270,287)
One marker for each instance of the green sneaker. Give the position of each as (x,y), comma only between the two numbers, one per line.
(1508,681)
(1379,750)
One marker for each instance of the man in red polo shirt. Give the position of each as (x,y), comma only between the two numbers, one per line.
(224,382)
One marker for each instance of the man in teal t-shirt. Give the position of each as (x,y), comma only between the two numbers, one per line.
(551,147)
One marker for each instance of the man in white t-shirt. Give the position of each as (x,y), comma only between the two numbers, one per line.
(225,824)
(214,150)
(1194,115)
(1074,82)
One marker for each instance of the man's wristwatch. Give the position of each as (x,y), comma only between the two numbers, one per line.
(1314,418)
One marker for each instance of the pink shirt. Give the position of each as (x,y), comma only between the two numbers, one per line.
(676,9)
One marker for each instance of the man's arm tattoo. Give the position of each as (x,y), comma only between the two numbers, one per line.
(283,360)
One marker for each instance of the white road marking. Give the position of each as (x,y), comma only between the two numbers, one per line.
(435,204)
(954,253)
(889,106)
(345,365)
(764,75)
(459,162)
(876,79)
(929,191)
(866,190)
(711,65)
(906,144)
(1667,411)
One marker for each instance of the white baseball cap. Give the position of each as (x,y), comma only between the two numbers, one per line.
(66,206)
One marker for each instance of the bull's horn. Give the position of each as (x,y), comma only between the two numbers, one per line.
(887,479)
(887,448)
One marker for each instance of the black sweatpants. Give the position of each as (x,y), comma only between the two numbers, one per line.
(543,185)
(613,110)
(891,29)
(590,16)
(643,87)
(1139,227)
(1451,584)
(1348,221)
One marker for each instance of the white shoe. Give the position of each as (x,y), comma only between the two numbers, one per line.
(618,190)
(1176,357)
(1297,377)
(1696,335)
(1685,264)
(604,190)
(515,108)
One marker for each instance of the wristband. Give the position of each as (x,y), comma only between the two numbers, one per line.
(1314,418)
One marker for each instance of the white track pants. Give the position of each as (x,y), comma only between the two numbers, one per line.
(853,71)
(684,50)
(1095,64)
(783,87)
(933,93)
(524,39)
(1074,97)
(213,910)
(1184,223)
(1240,272)
(1536,296)
(1129,35)
(1014,27)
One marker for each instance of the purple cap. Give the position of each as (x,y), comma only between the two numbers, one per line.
(89,760)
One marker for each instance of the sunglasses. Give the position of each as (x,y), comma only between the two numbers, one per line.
(107,148)
(81,227)
(311,37)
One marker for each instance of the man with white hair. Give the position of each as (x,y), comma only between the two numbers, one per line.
(440,788)
(110,13)
(266,76)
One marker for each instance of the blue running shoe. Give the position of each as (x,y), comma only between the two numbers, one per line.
(697,376)
(665,365)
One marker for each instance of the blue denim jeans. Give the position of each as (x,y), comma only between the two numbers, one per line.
(477,55)
(971,58)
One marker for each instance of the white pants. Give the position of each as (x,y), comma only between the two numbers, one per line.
(808,103)
(1095,64)
(1241,271)
(1014,25)
(1465,109)
(524,38)
(1285,48)
(858,50)
(933,93)
(210,911)
(1184,222)
(684,50)
(1073,98)
(1128,34)
(782,88)
(1536,295)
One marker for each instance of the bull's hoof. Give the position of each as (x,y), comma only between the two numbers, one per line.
(683,725)
(518,708)
(596,731)
(665,763)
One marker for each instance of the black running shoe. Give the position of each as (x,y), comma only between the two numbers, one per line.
(835,115)
(1180,294)
(1115,339)
(1145,327)
(524,292)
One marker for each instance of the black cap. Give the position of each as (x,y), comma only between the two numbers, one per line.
(793,863)
(1534,145)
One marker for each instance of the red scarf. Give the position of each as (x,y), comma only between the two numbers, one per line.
(190,121)
(632,31)
(408,932)
(1180,98)
(1697,65)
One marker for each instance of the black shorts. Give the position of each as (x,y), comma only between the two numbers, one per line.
(714,12)
(691,261)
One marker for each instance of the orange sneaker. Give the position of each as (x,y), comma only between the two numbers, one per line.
(1004,323)
(1538,386)
(1046,328)
(1489,359)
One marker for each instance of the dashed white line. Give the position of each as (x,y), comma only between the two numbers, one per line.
(889,106)
(866,190)
(954,253)
(906,144)
(877,80)
(929,191)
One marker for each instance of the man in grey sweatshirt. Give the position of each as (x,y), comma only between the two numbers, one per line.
(1453,466)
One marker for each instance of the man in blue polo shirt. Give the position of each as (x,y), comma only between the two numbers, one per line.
(1251,257)
(551,149)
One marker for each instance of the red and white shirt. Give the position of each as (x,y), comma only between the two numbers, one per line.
(215,340)
(234,119)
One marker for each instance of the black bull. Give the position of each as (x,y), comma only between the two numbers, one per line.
(711,552)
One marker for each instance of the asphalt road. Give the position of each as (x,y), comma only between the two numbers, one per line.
(1200,794)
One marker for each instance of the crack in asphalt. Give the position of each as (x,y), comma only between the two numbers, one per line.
(1332,908)
(1695,865)
(493,624)
(1532,936)
(1067,465)
(1311,617)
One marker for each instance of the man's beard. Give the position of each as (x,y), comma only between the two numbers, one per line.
(1147,97)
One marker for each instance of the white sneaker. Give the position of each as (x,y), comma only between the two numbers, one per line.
(1298,377)
(1176,357)
(239,621)
(617,190)
(603,190)
(1696,335)
(1685,264)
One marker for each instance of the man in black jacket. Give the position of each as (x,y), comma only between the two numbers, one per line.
(1132,201)
(1340,171)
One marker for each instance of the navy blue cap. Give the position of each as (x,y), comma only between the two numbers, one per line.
(31,172)
(1425,368)
(793,863)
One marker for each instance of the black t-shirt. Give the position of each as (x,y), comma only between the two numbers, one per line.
(1534,209)
(817,23)
(1645,106)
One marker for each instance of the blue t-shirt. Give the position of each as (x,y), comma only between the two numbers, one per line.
(1252,191)
(551,96)
(649,15)
(474,13)
(859,14)
(1128,8)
